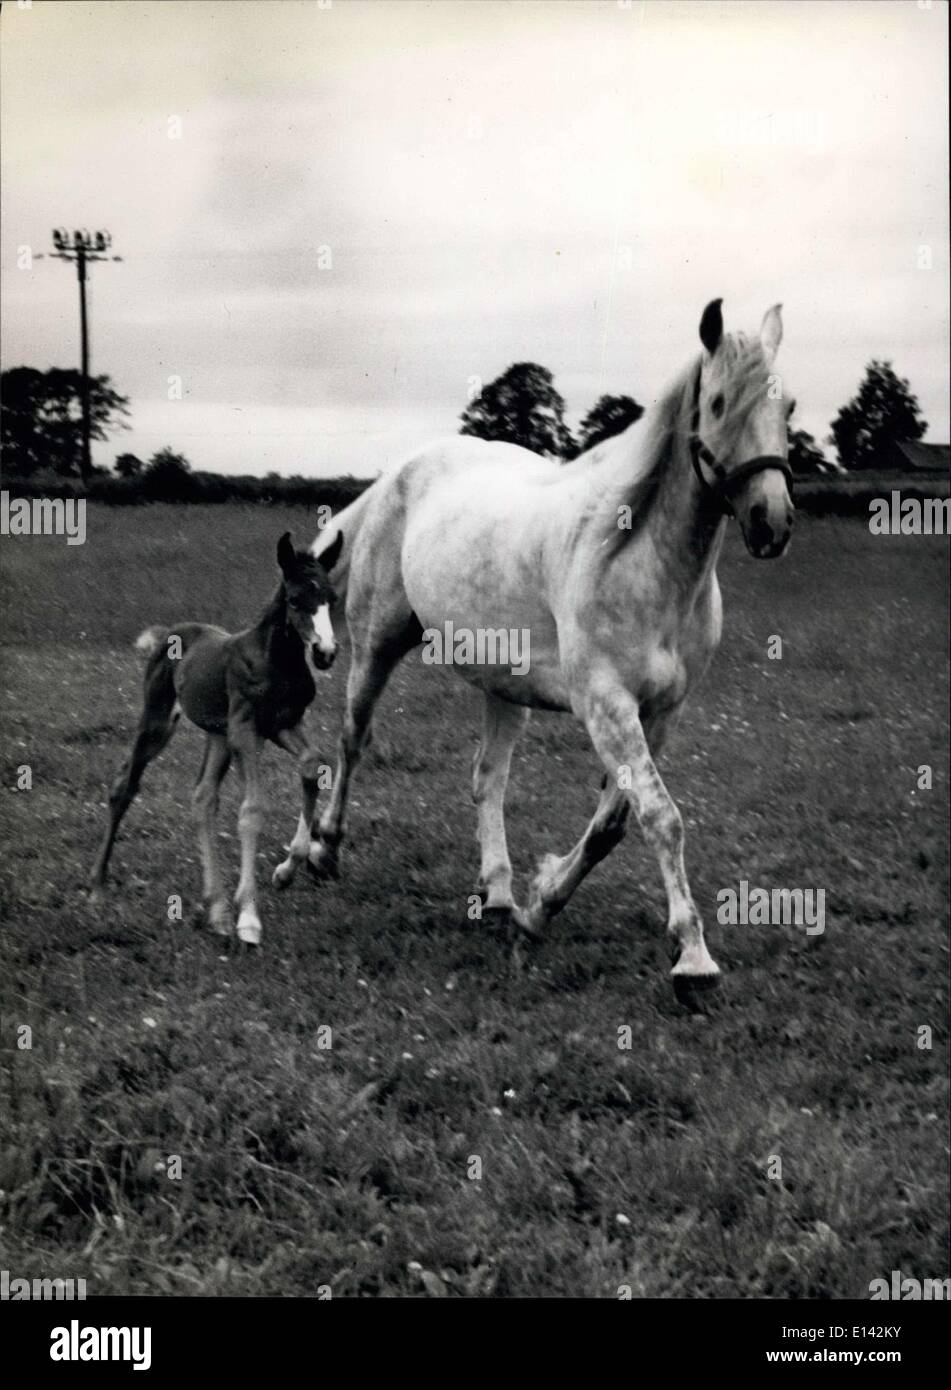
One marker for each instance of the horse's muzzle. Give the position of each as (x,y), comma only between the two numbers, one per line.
(765,512)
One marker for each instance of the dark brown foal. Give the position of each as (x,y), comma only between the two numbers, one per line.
(241,689)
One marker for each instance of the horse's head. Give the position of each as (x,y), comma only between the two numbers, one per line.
(310,596)
(738,430)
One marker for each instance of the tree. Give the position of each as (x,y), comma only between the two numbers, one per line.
(167,475)
(609,415)
(41,418)
(883,413)
(805,456)
(128,466)
(521,407)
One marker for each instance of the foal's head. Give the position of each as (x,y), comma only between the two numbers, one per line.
(310,596)
(739,429)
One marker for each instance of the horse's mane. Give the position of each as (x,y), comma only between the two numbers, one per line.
(740,362)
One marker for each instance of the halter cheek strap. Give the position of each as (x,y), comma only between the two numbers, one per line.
(726,482)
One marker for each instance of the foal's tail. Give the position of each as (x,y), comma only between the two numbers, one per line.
(156,726)
(150,641)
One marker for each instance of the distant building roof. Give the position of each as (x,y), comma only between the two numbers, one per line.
(926,458)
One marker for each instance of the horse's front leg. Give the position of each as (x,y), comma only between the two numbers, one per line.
(245,743)
(295,742)
(503,723)
(613,721)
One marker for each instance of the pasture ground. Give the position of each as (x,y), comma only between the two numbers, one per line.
(600,1167)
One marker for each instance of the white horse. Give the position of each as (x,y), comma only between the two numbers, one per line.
(608,567)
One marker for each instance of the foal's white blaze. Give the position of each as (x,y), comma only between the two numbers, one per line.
(323,638)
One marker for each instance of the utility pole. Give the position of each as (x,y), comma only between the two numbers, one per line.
(82,248)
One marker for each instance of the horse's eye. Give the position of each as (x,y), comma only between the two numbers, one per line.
(790,408)
(716,405)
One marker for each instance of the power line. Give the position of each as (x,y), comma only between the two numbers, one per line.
(81,248)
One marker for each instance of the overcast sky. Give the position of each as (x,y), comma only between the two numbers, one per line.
(374,202)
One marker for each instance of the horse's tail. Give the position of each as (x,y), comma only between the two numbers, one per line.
(346,525)
(150,641)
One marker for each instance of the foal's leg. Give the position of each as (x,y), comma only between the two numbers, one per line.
(503,723)
(156,726)
(214,765)
(245,743)
(613,721)
(557,878)
(295,741)
(369,672)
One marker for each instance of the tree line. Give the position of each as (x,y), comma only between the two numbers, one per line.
(40,415)
(522,406)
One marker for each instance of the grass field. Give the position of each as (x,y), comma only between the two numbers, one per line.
(352,1166)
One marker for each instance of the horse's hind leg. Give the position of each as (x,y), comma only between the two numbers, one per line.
(503,723)
(215,763)
(159,717)
(557,878)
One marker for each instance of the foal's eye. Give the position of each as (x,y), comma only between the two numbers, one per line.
(716,405)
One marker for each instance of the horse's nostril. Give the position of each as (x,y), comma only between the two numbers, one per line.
(760,531)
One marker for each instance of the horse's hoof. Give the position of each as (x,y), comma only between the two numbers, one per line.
(497,919)
(695,991)
(530,922)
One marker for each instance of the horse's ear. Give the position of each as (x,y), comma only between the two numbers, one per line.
(771,332)
(285,553)
(711,326)
(329,557)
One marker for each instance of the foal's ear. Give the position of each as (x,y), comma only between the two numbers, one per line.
(711,326)
(285,553)
(329,557)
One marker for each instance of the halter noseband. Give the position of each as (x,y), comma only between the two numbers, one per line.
(726,482)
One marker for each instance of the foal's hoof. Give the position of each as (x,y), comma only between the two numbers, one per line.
(283,875)
(249,929)
(218,919)
(322,864)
